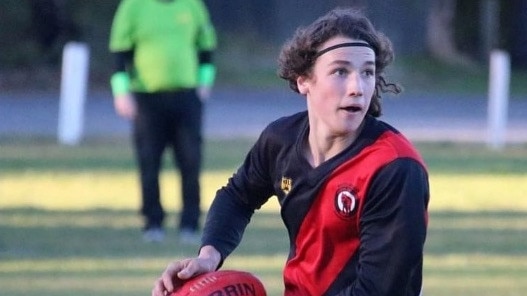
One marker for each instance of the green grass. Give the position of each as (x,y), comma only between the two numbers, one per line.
(69,223)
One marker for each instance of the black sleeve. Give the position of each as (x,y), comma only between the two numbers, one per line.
(225,224)
(205,57)
(393,231)
(123,60)
(235,203)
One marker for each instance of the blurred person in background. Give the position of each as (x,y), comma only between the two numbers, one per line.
(164,73)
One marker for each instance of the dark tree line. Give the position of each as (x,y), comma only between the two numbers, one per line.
(457,31)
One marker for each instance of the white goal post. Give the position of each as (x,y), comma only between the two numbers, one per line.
(73,87)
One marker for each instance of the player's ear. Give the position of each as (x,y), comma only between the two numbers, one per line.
(303,84)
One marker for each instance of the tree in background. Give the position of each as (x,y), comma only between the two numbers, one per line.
(516,30)
(440,32)
(52,26)
(464,32)
(454,31)
(45,22)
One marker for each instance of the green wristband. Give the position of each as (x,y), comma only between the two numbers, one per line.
(120,83)
(206,74)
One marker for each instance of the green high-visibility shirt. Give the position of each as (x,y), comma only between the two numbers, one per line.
(166,37)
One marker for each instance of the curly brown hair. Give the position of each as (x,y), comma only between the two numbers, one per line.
(298,55)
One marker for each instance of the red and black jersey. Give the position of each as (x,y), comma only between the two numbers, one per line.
(357,223)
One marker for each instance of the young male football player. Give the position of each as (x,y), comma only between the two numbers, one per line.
(353,190)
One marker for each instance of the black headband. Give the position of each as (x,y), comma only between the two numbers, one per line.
(342,45)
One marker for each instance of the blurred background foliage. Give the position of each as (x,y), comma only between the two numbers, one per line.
(440,44)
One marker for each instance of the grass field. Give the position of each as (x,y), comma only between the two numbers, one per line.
(69,223)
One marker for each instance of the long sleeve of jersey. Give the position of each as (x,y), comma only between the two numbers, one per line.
(393,231)
(226,223)
(235,203)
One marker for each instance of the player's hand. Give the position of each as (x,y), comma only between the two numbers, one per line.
(179,271)
(125,106)
(204,92)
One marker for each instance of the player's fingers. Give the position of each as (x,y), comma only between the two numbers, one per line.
(169,278)
(191,269)
(159,288)
(187,272)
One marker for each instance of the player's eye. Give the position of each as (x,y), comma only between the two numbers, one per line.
(368,72)
(340,72)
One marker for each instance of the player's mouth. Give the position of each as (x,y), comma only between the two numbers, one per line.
(352,109)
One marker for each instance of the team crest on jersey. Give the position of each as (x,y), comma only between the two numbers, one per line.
(286,185)
(346,202)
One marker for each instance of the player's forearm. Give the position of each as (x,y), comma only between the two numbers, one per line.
(225,223)
(206,69)
(120,80)
(123,60)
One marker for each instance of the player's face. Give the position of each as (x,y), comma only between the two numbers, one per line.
(340,88)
